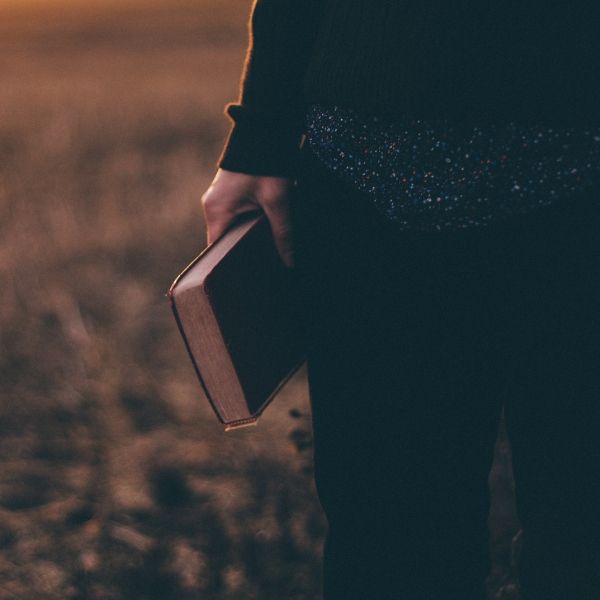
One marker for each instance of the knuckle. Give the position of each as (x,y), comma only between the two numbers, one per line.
(206,198)
(279,208)
(211,203)
(270,199)
(271,194)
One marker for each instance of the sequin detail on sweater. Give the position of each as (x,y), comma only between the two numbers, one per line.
(430,175)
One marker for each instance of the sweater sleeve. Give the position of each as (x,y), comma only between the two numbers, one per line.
(267,120)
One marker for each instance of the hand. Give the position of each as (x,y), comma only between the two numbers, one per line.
(232,193)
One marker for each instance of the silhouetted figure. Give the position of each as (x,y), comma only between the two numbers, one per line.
(430,169)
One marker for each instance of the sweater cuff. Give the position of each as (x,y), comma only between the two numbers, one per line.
(266,146)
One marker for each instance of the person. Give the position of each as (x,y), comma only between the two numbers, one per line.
(430,172)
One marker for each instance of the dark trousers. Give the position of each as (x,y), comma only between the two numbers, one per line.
(416,343)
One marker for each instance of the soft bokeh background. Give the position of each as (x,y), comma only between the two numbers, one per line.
(116,480)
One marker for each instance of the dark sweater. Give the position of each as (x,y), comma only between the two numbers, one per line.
(468,60)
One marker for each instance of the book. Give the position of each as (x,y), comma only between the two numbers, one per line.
(237,308)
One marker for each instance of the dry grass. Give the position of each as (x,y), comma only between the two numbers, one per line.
(116,480)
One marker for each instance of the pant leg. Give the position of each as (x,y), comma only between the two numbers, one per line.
(552,407)
(405,375)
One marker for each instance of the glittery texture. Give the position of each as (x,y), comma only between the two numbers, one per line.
(430,175)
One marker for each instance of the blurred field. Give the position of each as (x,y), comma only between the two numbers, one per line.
(117,482)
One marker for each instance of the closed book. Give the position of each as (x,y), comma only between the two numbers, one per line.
(237,308)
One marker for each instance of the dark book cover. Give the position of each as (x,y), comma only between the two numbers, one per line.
(238,311)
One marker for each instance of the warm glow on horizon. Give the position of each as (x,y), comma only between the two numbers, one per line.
(61,3)
(18,6)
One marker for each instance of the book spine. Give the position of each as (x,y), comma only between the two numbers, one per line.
(190,353)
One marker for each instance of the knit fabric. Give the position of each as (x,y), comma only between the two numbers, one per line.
(432,175)
(470,62)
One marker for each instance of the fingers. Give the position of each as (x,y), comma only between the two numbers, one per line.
(216,223)
(233,193)
(216,217)
(218,214)
(277,210)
